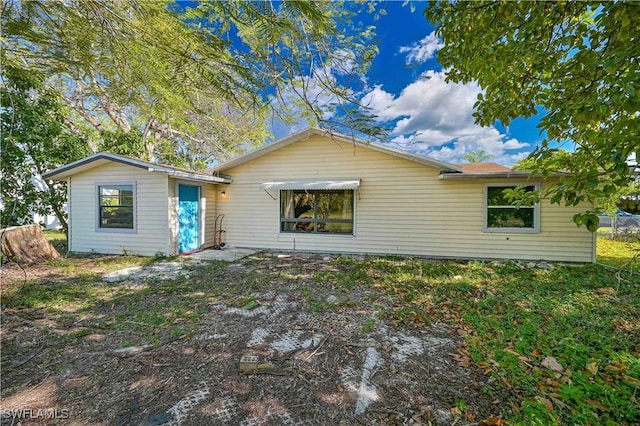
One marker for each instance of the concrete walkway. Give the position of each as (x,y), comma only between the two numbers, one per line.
(167,270)
(227,254)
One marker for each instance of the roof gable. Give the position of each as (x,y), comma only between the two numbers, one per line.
(102,158)
(305,134)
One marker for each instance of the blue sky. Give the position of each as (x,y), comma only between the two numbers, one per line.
(407,91)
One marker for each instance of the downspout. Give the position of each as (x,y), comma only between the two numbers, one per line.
(69,213)
(594,236)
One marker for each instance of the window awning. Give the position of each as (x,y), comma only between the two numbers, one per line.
(309,185)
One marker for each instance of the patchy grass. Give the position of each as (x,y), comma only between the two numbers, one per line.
(58,240)
(584,317)
(72,288)
(622,251)
(514,319)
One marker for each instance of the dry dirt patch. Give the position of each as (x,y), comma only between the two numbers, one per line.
(273,346)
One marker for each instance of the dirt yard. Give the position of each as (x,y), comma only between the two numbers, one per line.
(271,339)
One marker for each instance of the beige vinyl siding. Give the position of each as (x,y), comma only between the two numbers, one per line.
(209,192)
(173,216)
(152,212)
(402,207)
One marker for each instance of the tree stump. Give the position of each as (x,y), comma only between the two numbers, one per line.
(27,244)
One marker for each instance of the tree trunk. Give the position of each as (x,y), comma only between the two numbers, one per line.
(27,244)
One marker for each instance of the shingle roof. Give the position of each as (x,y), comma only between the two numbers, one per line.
(104,157)
(483,168)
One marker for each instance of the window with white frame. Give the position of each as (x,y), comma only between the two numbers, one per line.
(317,211)
(502,215)
(116,206)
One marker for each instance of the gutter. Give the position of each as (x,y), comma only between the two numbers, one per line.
(498,175)
(191,176)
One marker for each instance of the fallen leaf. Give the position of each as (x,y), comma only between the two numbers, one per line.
(492,421)
(631,380)
(605,291)
(511,351)
(544,401)
(455,411)
(566,379)
(553,364)
(506,382)
(554,383)
(598,405)
(592,368)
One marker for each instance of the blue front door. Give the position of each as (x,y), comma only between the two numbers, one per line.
(188,218)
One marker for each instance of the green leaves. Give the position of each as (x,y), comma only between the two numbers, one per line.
(34,139)
(201,79)
(478,156)
(590,220)
(578,61)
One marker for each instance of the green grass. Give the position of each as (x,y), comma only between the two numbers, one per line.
(58,240)
(153,310)
(620,252)
(586,317)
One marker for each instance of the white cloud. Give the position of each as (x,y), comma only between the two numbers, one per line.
(434,118)
(456,152)
(423,50)
(343,62)
(312,88)
(515,144)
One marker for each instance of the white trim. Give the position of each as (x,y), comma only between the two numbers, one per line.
(69,222)
(594,246)
(324,234)
(100,158)
(499,175)
(485,210)
(97,186)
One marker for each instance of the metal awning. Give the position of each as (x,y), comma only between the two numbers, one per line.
(309,185)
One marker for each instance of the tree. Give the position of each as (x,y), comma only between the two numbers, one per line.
(479,156)
(577,61)
(34,139)
(182,79)
(558,159)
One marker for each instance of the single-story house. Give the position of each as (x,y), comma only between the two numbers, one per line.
(322,192)
(122,205)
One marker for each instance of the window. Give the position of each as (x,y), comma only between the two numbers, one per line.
(116,206)
(318,211)
(502,216)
